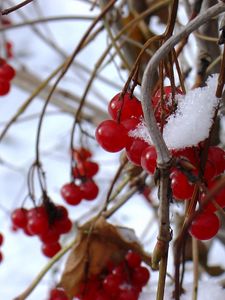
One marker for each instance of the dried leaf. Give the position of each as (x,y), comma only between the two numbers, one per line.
(98,242)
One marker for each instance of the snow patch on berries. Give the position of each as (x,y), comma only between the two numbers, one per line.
(191,122)
(193,118)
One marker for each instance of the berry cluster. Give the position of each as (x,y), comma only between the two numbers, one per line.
(83,185)
(1,242)
(121,282)
(7,73)
(207,224)
(113,135)
(47,222)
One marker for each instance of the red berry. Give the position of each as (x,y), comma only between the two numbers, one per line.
(111,284)
(148,159)
(89,189)
(58,294)
(111,135)
(85,169)
(128,294)
(50,236)
(210,171)
(81,154)
(182,189)
(4,87)
(7,72)
(133,259)
(219,198)
(63,225)
(37,221)
(135,149)
(51,249)
(191,154)
(19,217)
(140,276)
(216,156)
(71,193)
(1,239)
(129,125)
(124,108)
(205,226)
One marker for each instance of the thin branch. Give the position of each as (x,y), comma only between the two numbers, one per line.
(16,7)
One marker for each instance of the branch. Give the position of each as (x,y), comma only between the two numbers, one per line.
(18,6)
(163,156)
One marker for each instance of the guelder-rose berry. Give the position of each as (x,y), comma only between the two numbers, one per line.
(7,72)
(148,159)
(140,276)
(112,136)
(134,150)
(89,189)
(182,189)
(85,169)
(122,108)
(57,294)
(1,239)
(51,249)
(4,87)
(71,193)
(205,226)
(19,217)
(133,259)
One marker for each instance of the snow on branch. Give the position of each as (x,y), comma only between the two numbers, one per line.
(191,122)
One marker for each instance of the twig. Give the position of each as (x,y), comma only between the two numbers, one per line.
(67,64)
(16,7)
(196,266)
(47,19)
(163,155)
(42,273)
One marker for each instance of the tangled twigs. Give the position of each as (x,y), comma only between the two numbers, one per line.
(163,156)
(18,6)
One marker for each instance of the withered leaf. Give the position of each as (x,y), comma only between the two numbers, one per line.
(97,243)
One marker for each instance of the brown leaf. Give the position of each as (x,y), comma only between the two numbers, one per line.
(98,242)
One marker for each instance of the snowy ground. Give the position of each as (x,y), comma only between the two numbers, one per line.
(22,256)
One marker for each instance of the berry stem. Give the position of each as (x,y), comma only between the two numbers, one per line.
(195,270)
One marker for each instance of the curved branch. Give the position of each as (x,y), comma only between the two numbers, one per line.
(163,155)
